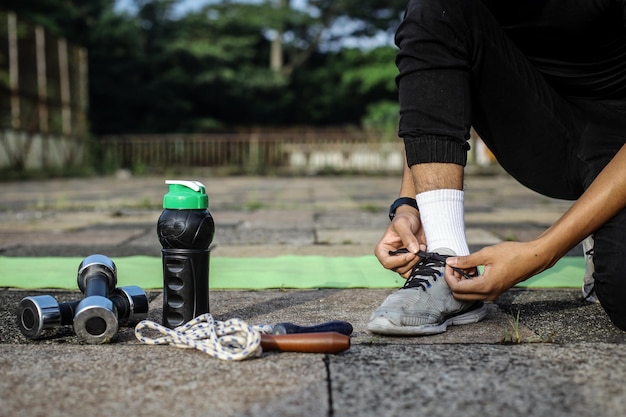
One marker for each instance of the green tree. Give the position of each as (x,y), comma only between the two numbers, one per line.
(68,18)
(373,74)
(327,23)
(340,87)
(217,68)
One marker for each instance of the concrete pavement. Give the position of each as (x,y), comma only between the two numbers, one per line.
(563,357)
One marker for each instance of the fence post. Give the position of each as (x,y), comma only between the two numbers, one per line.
(14,72)
(253,154)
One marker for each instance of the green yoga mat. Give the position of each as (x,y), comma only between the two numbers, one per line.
(299,272)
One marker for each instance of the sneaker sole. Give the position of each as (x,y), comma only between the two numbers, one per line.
(382,325)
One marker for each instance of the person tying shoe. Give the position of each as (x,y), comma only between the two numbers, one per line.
(543,82)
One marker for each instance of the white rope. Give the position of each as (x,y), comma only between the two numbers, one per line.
(231,340)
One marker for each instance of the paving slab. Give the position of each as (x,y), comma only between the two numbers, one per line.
(537,353)
(480,380)
(73,380)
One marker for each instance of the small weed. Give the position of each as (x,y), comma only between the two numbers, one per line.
(370,208)
(514,336)
(61,202)
(146,203)
(254,205)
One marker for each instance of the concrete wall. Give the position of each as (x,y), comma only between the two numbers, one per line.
(21,150)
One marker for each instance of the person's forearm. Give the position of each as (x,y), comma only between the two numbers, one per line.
(603,200)
(407,188)
(431,176)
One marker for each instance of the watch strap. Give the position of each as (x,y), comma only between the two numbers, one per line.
(402,201)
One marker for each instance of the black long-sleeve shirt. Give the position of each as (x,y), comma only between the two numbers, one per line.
(579,45)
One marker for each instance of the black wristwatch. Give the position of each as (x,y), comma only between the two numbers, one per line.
(402,201)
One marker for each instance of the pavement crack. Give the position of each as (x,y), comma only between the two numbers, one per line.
(329,386)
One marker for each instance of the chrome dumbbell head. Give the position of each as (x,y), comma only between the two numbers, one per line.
(131,303)
(38,313)
(95,321)
(97,318)
(97,266)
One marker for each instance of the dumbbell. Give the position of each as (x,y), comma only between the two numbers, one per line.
(95,318)
(36,314)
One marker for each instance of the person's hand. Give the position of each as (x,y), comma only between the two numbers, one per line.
(405,231)
(505,265)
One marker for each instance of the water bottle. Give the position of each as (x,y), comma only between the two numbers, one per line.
(185,230)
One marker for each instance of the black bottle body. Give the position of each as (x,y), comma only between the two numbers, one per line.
(185,237)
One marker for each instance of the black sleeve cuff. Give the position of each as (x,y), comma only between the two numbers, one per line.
(428,149)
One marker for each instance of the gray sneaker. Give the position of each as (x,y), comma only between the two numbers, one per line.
(588,282)
(425,305)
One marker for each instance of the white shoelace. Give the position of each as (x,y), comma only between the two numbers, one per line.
(231,340)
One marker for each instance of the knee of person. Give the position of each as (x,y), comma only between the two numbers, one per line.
(618,319)
(430,10)
(446,20)
(613,300)
(437,4)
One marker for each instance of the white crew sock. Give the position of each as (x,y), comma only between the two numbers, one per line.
(441,212)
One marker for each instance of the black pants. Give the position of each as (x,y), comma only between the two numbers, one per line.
(459,69)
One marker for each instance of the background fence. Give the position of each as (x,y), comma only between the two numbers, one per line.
(295,151)
(304,150)
(43,97)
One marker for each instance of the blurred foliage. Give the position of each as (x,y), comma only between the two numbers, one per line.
(154,71)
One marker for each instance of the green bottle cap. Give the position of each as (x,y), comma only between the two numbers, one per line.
(190,195)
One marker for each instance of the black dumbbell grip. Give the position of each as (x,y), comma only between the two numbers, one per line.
(67,311)
(97,285)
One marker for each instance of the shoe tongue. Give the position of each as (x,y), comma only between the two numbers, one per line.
(444,251)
